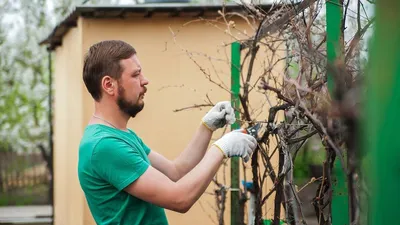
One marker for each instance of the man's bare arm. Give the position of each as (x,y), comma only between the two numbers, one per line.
(155,187)
(187,160)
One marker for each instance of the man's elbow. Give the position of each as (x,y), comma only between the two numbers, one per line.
(182,210)
(182,205)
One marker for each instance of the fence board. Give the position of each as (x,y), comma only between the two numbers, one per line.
(23,175)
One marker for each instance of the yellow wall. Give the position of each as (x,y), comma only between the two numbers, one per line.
(176,81)
(68,117)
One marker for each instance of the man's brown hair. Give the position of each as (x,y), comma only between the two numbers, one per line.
(102,59)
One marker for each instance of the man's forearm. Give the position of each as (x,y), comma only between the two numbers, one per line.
(194,183)
(194,152)
(156,188)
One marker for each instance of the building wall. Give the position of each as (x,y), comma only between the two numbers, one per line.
(165,46)
(68,120)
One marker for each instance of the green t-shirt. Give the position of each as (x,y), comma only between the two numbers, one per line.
(110,160)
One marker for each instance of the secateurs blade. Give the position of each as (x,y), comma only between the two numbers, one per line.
(253,131)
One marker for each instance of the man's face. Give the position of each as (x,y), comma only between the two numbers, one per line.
(131,87)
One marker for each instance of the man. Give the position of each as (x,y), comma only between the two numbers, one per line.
(123,180)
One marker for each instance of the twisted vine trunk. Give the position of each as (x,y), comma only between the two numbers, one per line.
(293,206)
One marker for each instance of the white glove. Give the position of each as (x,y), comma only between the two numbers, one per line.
(220,115)
(236,143)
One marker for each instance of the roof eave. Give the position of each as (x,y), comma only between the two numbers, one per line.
(55,38)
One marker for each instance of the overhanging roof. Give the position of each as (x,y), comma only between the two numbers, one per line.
(145,10)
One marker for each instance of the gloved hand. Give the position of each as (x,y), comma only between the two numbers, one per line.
(220,115)
(236,143)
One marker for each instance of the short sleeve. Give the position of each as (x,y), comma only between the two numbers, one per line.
(145,147)
(117,162)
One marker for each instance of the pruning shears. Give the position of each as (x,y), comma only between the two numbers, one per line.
(253,130)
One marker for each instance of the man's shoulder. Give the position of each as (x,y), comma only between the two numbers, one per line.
(95,134)
(99,138)
(96,139)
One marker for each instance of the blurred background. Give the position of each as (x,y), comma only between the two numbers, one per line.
(33,32)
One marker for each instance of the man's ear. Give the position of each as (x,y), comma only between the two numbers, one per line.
(107,84)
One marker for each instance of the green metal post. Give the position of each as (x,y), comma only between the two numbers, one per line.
(334,42)
(334,39)
(235,88)
(381,138)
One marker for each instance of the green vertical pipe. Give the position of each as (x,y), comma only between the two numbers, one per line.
(235,88)
(334,43)
(340,200)
(381,138)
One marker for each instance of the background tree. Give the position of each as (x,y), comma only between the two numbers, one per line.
(312,112)
(25,74)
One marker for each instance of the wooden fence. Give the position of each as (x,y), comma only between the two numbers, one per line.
(21,172)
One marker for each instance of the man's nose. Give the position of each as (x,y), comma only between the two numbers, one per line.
(145,81)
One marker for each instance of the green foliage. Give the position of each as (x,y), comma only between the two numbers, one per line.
(301,168)
(311,154)
(23,75)
(30,195)
(24,71)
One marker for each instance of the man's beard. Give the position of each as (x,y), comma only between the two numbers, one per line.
(129,108)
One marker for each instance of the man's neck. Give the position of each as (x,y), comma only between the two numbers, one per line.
(110,115)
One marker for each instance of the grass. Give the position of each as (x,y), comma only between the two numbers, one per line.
(31,195)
